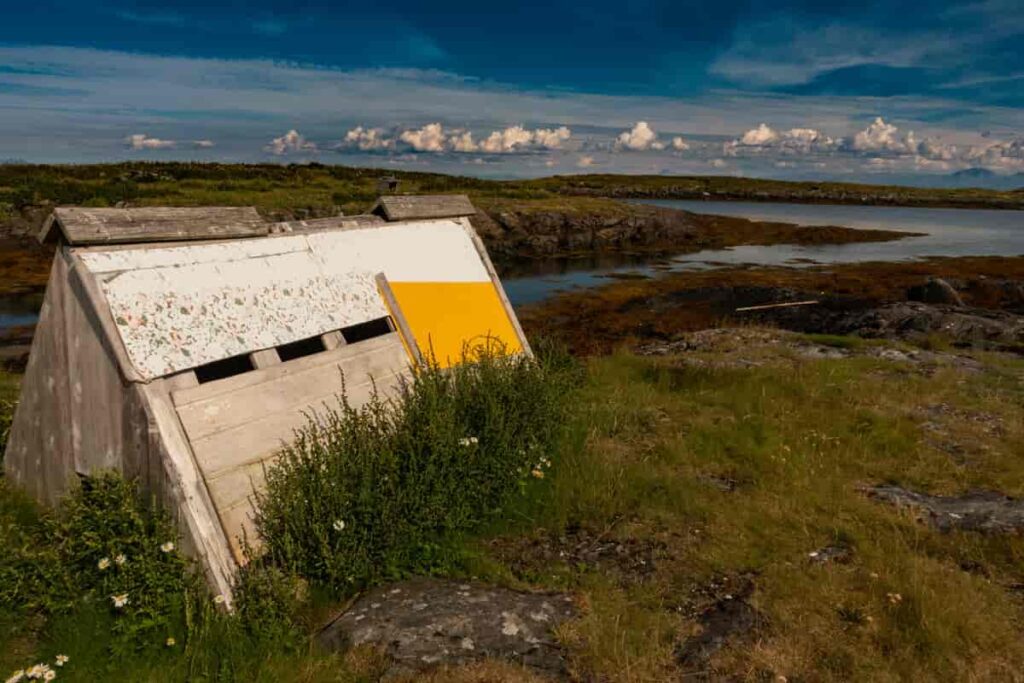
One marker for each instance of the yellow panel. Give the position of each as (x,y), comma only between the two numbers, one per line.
(446,316)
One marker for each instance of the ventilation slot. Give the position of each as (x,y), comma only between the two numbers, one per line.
(367,330)
(222,369)
(301,348)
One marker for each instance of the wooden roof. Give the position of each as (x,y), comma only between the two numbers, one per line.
(406,207)
(333,222)
(81,226)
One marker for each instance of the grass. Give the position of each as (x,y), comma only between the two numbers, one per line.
(638,465)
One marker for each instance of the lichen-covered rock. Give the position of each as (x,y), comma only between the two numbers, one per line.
(425,622)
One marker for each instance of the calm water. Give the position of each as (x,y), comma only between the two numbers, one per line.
(950,232)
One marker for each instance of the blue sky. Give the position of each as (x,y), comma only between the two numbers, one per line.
(859,91)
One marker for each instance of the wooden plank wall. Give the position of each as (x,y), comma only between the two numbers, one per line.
(39,455)
(236,425)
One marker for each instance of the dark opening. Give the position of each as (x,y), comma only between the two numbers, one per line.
(367,330)
(303,347)
(221,369)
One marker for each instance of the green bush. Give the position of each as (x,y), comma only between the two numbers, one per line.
(374,493)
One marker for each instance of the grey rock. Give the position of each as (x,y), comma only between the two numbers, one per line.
(424,622)
(983,511)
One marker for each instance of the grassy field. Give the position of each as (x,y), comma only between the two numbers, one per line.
(719,473)
(315,190)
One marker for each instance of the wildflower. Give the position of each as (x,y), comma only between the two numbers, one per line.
(167,547)
(120,560)
(120,600)
(538,473)
(171,642)
(219,600)
(37,671)
(49,675)
(16,676)
(894,598)
(339,525)
(62,660)
(103,564)
(468,441)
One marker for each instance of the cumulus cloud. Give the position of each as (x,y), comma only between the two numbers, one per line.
(883,137)
(203,144)
(679,144)
(367,139)
(508,140)
(639,138)
(289,143)
(585,161)
(429,138)
(792,141)
(1005,155)
(143,141)
(515,139)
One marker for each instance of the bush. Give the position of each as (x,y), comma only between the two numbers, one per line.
(103,547)
(374,493)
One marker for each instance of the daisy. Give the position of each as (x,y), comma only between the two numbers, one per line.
(62,660)
(49,675)
(219,600)
(339,525)
(167,547)
(103,564)
(120,600)
(120,560)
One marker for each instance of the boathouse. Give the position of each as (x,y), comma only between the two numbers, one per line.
(183,346)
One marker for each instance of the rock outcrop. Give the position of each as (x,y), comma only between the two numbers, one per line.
(423,623)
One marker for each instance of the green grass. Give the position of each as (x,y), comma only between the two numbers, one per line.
(798,439)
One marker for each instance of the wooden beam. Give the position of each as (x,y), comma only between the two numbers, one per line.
(265,358)
(407,207)
(404,331)
(332,340)
(79,225)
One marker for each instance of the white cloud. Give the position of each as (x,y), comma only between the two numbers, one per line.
(762,135)
(551,138)
(509,140)
(203,144)
(639,138)
(367,139)
(679,144)
(1006,155)
(883,137)
(289,143)
(585,161)
(718,163)
(463,142)
(143,141)
(429,138)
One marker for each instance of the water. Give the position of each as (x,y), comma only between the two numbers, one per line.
(950,232)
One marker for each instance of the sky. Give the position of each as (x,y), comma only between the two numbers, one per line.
(864,91)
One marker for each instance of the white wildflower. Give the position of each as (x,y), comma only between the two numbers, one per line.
(219,600)
(49,675)
(538,473)
(120,560)
(468,441)
(167,547)
(171,642)
(103,564)
(120,600)
(339,525)
(16,676)
(61,660)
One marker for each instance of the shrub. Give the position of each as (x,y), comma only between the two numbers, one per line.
(367,494)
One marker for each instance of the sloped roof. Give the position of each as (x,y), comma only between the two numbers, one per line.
(407,207)
(81,226)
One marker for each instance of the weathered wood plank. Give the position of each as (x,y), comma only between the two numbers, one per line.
(407,207)
(232,384)
(187,488)
(395,310)
(96,393)
(332,340)
(286,392)
(265,358)
(80,225)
